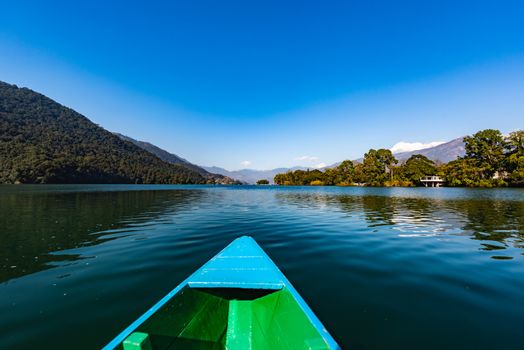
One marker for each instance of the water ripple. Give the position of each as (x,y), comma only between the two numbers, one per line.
(383,268)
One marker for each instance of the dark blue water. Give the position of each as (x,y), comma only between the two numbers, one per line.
(383,268)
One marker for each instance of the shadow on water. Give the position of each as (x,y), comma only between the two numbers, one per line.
(497,224)
(36,228)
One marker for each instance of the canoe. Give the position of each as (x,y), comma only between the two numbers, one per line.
(238,300)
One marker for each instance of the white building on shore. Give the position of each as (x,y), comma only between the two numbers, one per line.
(432,181)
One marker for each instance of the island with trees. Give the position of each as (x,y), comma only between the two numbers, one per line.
(491,160)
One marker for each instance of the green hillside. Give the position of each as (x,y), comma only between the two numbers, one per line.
(42,141)
(166,156)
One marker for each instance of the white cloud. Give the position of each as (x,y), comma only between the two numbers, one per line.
(245,163)
(310,162)
(307,158)
(413,146)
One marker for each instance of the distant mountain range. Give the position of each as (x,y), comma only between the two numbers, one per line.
(250,176)
(442,153)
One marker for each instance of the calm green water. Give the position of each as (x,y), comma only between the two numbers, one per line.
(382,268)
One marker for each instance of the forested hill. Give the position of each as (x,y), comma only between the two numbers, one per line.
(160,153)
(42,141)
(174,159)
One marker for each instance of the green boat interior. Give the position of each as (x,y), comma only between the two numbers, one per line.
(227,318)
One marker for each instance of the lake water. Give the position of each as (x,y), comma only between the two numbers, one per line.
(383,268)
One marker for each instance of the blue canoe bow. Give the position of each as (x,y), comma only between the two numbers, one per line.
(237,300)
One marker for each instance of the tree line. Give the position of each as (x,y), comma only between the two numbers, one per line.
(490,160)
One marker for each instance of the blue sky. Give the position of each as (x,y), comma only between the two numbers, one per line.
(263,84)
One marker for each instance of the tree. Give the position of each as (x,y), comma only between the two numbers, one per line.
(311,176)
(331,176)
(515,142)
(279,179)
(299,177)
(515,158)
(376,166)
(462,172)
(358,175)
(416,167)
(486,149)
(346,171)
(263,182)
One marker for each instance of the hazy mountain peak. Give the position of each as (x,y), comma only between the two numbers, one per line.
(443,152)
(413,146)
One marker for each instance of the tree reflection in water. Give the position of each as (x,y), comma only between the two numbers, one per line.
(498,224)
(37,227)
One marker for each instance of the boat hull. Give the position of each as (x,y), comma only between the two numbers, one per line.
(238,300)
